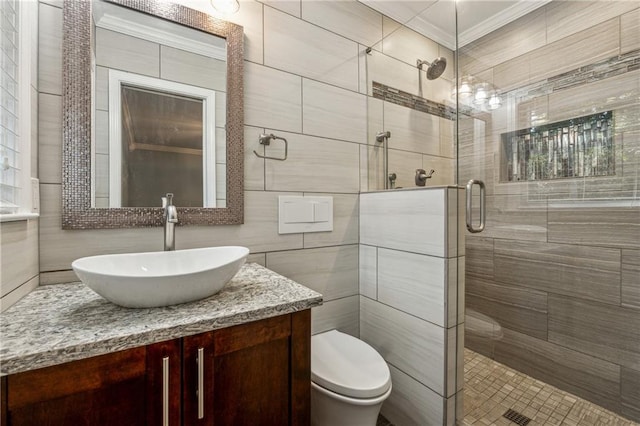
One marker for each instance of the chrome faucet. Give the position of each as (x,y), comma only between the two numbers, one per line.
(170,220)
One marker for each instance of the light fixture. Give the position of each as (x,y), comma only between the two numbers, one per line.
(494,101)
(466,88)
(226,7)
(482,94)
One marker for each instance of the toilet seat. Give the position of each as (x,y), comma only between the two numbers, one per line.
(348,366)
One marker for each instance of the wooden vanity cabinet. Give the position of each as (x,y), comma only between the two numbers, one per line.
(258,373)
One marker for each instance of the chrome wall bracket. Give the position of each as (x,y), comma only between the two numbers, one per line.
(265,139)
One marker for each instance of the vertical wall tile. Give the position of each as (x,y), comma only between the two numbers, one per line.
(302,48)
(292,7)
(50,49)
(368,265)
(412,130)
(272,98)
(50,138)
(403,164)
(331,271)
(413,283)
(408,46)
(344,109)
(392,333)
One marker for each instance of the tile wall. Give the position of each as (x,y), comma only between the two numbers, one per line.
(19,240)
(412,300)
(557,265)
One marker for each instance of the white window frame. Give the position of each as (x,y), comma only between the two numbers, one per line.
(116,80)
(28,206)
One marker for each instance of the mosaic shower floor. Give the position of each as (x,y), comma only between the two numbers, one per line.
(492,388)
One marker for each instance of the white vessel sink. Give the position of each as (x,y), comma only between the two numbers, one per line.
(146,280)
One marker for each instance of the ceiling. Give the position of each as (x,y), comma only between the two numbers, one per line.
(435,19)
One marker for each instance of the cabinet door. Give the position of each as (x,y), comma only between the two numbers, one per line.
(103,390)
(251,373)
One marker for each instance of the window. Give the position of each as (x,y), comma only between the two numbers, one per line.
(16,21)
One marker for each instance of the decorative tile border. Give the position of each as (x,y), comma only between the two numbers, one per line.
(398,97)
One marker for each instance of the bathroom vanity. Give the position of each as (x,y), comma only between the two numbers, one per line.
(241,357)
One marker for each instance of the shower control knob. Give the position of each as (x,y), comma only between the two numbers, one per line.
(422,176)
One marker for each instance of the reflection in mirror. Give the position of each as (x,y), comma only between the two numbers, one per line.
(152,103)
(157,84)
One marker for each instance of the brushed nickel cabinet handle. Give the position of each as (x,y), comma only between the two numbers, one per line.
(200,361)
(165,391)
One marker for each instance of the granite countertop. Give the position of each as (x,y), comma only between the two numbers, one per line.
(66,322)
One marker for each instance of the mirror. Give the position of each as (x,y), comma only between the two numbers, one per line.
(152,104)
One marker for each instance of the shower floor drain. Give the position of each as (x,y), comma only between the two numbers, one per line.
(516,417)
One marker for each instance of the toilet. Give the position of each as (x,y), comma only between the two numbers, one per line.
(349,381)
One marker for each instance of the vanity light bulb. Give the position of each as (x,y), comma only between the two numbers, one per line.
(465,90)
(494,101)
(226,7)
(481,94)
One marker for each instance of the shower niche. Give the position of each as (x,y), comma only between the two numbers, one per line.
(579,147)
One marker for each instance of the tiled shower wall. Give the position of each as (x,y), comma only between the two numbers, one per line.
(558,265)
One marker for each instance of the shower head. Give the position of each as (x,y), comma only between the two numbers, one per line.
(435,68)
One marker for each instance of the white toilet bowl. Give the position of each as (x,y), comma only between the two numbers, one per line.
(349,381)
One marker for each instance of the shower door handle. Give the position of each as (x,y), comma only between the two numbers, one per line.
(470,227)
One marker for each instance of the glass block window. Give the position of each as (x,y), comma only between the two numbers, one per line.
(10,156)
(580,147)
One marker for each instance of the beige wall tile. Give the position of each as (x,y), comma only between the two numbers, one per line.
(514,39)
(350,19)
(392,333)
(391,72)
(50,49)
(417,225)
(444,170)
(412,403)
(19,254)
(331,271)
(565,18)
(253,165)
(190,68)
(412,130)
(10,299)
(304,49)
(344,109)
(409,46)
(631,278)
(292,7)
(341,314)
(337,162)
(630,31)
(404,165)
(368,276)
(126,53)
(345,223)
(272,98)
(50,138)
(413,283)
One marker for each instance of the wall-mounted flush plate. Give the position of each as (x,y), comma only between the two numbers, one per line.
(304,214)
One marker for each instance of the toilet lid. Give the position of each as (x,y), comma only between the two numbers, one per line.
(348,366)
